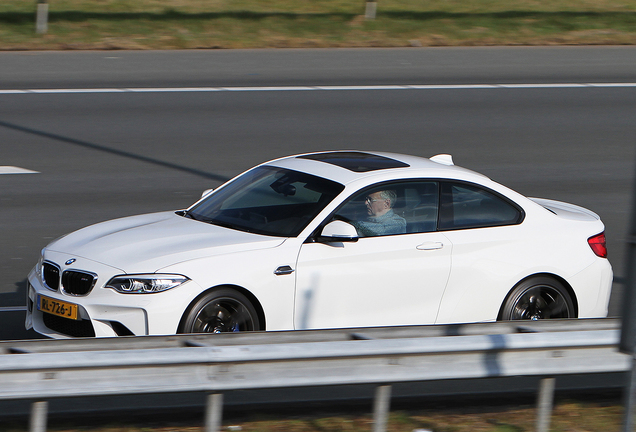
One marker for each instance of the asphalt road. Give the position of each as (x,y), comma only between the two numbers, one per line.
(112,154)
(316,67)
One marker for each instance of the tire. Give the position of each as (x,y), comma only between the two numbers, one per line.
(220,311)
(538,298)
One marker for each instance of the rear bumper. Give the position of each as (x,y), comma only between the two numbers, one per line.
(593,287)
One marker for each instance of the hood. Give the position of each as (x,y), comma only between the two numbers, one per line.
(147,243)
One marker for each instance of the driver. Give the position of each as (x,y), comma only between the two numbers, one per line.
(382,220)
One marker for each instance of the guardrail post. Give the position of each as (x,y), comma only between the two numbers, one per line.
(214,412)
(39,411)
(381,405)
(544,404)
(629,397)
(370,10)
(628,321)
(42,17)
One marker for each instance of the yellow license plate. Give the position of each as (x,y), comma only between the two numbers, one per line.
(57,307)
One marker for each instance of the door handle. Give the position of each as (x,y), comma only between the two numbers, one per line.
(430,246)
(283,270)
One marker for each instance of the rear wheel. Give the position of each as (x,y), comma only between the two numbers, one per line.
(538,298)
(220,311)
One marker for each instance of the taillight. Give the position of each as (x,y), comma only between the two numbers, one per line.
(597,243)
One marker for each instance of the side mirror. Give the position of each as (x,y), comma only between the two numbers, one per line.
(206,193)
(339,231)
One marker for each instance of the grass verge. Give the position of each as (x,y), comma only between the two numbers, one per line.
(191,24)
(568,416)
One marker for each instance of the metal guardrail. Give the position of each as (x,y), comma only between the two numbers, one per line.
(257,338)
(48,369)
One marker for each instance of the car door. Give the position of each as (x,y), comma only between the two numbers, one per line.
(490,250)
(382,279)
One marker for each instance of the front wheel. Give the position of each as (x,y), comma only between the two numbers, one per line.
(221,311)
(538,298)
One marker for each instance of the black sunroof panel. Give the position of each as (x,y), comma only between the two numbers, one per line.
(356,161)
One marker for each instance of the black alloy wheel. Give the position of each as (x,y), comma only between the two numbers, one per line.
(221,311)
(538,298)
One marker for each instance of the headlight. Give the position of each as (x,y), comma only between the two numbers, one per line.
(145,283)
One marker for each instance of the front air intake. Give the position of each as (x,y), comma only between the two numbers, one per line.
(69,327)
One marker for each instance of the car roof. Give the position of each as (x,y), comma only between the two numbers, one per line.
(347,166)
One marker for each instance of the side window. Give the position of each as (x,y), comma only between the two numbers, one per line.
(394,208)
(420,207)
(469,206)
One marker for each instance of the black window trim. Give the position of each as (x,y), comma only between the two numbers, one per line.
(522,214)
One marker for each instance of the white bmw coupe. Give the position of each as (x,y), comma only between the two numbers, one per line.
(327,240)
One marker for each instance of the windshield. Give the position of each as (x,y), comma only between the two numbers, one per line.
(268,200)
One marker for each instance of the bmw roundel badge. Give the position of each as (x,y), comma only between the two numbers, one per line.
(71,261)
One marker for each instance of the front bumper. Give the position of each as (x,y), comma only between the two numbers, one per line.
(95,320)
(104,312)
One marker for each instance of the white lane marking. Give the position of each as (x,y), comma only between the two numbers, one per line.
(16,170)
(313,88)
(94,90)
(13,309)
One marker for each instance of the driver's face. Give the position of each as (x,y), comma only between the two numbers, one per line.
(376,205)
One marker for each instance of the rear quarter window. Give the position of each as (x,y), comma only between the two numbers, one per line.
(469,206)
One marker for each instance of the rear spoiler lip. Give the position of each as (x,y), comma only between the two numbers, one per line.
(566,210)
